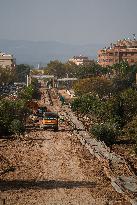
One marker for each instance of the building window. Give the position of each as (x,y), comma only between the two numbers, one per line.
(110,54)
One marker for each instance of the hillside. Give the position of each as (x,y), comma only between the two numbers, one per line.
(34,53)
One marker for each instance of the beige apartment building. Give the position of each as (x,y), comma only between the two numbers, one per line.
(7,60)
(80,60)
(123,50)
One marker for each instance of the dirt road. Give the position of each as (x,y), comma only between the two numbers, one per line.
(52,168)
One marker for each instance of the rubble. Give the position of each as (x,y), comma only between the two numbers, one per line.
(54,168)
(115,166)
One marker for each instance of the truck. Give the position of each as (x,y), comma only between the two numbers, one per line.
(49,120)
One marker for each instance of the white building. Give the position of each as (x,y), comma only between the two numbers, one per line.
(7,60)
(80,60)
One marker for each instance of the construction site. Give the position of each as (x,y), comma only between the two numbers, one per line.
(56,162)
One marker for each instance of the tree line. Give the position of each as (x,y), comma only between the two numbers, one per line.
(110,100)
(13,113)
(107,95)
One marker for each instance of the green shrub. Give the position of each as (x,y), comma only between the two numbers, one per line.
(105,132)
(85,103)
(75,104)
(17,127)
(130,129)
(135,149)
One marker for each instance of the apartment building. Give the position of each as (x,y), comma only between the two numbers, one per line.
(123,50)
(80,60)
(7,60)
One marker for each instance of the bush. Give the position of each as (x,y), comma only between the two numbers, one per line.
(135,149)
(75,104)
(105,132)
(130,129)
(12,115)
(85,104)
(17,127)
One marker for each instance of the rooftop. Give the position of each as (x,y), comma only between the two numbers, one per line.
(80,57)
(123,44)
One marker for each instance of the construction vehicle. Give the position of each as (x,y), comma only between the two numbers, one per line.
(41,110)
(49,120)
(43,117)
(37,113)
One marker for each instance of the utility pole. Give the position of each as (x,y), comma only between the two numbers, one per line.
(53,82)
(27,80)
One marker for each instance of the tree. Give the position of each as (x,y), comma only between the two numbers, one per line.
(90,70)
(130,132)
(71,69)
(22,70)
(124,76)
(12,113)
(56,68)
(16,127)
(129,99)
(86,104)
(7,75)
(106,132)
(27,93)
(97,85)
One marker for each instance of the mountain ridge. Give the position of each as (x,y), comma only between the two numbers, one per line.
(41,52)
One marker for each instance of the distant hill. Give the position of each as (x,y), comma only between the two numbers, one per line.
(35,53)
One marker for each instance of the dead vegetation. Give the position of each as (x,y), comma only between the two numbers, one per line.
(47,168)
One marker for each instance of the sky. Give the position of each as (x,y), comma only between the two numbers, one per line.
(68,21)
